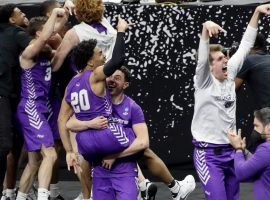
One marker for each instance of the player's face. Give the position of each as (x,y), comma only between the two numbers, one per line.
(98,58)
(219,65)
(19,18)
(116,83)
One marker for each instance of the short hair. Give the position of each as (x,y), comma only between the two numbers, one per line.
(89,11)
(263,115)
(83,52)
(35,24)
(214,48)
(260,42)
(47,6)
(6,12)
(126,72)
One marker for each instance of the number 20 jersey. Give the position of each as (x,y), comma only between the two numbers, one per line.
(86,105)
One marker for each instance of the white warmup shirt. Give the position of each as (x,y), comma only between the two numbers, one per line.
(215,101)
(105,41)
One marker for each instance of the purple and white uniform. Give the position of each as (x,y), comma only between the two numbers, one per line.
(119,182)
(86,106)
(33,112)
(214,114)
(257,168)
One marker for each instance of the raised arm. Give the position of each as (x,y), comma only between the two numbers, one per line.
(69,41)
(202,74)
(247,42)
(118,55)
(33,49)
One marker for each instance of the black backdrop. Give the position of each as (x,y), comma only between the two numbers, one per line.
(161,53)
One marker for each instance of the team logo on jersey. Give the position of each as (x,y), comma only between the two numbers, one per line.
(77,84)
(126,111)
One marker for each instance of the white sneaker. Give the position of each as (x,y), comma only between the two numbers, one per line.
(148,190)
(185,187)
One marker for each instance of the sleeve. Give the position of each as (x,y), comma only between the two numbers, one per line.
(236,61)
(137,115)
(247,169)
(23,39)
(202,76)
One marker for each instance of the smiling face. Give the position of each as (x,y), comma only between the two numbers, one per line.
(218,64)
(18,18)
(116,83)
(97,59)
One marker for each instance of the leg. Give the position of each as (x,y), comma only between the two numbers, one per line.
(102,189)
(157,166)
(125,188)
(29,174)
(231,182)
(211,174)
(54,186)
(3,165)
(84,176)
(45,171)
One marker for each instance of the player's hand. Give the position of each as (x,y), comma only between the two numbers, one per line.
(212,28)
(122,25)
(264,9)
(99,122)
(72,161)
(235,139)
(70,7)
(108,163)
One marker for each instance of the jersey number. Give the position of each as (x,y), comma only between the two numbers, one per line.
(48,75)
(80,101)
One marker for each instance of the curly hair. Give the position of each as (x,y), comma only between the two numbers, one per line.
(89,10)
(83,52)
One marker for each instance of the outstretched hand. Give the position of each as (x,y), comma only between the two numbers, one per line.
(70,7)
(122,25)
(264,9)
(212,28)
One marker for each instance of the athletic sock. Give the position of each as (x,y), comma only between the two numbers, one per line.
(21,196)
(11,193)
(43,194)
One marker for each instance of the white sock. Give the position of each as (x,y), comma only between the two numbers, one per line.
(54,190)
(43,194)
(3,195)
(10,193)
(142,185)
(21,196)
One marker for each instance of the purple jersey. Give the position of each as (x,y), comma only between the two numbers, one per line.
(127,113)
(33,111)
(93,144)
(86,105)
(257,168)
(37,81)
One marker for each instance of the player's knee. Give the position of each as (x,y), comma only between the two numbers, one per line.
(50,154)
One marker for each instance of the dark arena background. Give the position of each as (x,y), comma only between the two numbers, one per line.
(161,53)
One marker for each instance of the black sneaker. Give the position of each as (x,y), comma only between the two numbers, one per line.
(150,192)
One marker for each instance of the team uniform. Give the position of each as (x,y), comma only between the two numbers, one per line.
(33,112)
(214,114)
(257,168)
(120,181)
(93,144)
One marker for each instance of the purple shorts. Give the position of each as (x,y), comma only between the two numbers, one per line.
(54,108)
(94,144)
(35,126)
(115,188)
(215,167)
